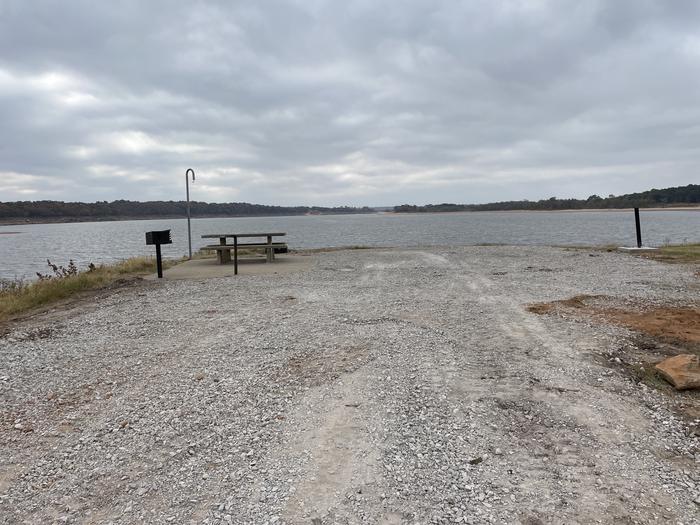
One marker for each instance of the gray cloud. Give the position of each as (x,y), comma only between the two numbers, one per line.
(364,102)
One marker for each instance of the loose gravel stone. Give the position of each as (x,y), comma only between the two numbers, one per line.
(382,386)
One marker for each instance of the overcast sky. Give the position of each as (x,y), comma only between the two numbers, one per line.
(347,102)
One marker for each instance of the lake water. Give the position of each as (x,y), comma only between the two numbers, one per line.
(24,253)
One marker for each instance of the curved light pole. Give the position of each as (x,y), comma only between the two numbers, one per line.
(189,227)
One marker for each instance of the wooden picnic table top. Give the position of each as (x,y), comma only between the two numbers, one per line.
(221,235)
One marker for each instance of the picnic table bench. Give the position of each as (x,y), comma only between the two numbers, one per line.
(223,249)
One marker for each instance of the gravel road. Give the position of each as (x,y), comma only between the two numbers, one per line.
(381,386)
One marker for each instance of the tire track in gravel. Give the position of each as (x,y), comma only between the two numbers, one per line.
(429,445)
(344,477)
(563,444)
(531,431)
(519,398)
(342,460)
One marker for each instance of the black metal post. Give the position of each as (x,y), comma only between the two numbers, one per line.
(639,228)
(189,226)
(159,262)
(235,255)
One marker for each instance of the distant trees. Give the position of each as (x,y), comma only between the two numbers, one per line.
(122,209)
(678,196)
(56,210)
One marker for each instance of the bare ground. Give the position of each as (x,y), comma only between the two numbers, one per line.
(381,386)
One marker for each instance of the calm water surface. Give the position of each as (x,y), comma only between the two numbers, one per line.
(24,253)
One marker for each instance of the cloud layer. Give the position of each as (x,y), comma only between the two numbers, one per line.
(359,102)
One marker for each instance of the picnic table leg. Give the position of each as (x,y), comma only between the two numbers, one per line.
(235,256)
(224,255)
(270,255)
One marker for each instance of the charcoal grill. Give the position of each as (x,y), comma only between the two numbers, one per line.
(157,238)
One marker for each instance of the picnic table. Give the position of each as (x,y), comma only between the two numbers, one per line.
(223,249)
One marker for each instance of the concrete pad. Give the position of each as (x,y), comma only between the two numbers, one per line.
(210,268)
(634,249)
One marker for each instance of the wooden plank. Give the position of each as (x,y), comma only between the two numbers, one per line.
(231,246)
(219,235)
(261,245)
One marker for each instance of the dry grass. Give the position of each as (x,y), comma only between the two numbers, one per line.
(673,253)
(680,253)
(17,298)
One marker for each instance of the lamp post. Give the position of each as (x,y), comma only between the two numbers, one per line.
(189,227)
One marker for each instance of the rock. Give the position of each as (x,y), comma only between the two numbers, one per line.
(682,371)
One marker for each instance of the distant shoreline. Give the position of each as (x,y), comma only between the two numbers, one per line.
(17,221)
(570,210)
(66,220)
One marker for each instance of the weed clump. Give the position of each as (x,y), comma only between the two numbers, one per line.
(62,282)
(60,272)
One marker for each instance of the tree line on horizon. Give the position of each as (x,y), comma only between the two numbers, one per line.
(668,197)
(121,209)
(55,210)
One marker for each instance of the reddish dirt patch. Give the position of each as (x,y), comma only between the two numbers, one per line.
(676,323)
(657,333)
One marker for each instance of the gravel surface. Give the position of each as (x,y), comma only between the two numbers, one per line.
(381,386)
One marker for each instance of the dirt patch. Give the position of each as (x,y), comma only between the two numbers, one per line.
(314,369)
(35,334)
(682,324)
(578,302)
(658,332)
(676,323)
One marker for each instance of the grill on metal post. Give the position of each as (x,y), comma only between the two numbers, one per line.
(158,238)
